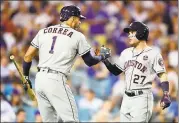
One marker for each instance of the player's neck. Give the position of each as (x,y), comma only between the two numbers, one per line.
(66,23)
(141,46)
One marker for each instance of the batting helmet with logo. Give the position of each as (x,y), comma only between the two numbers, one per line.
(142,31)
(68,11)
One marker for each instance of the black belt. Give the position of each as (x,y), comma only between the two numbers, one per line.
(134,93)
(48,70)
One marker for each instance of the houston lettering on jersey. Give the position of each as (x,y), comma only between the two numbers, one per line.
(136,64)
(58,31)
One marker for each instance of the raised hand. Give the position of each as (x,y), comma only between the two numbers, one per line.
(105,52)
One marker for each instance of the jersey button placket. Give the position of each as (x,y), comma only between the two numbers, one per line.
(132,72)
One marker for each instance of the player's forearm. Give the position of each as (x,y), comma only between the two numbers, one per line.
(26,67)
(27,61)
(112,68)
(165,101)
(30,54)
(91,59)
(164,82)
(162,77)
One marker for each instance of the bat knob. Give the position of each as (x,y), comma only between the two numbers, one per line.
(11,57)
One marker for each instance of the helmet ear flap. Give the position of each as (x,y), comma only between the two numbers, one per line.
(142,35)
(138,35)
(64,17)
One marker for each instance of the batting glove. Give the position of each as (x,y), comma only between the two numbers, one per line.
(105,52)
(28,82)
(165,102)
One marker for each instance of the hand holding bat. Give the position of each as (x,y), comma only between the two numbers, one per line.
(25,81)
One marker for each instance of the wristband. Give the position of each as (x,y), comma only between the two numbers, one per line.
(26,68)
(165,86)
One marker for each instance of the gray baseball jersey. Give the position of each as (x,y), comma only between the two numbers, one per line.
(140,68)
(58,47)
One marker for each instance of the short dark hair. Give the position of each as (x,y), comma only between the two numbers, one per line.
(91,91)
(19,111)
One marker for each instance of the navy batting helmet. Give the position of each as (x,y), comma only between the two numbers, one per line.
(142,31)
(68,11)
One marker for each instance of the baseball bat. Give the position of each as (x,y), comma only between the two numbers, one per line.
(29,90)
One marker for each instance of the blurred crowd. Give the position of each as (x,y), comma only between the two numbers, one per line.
(98,93)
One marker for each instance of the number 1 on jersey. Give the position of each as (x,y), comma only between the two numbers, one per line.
(53,44)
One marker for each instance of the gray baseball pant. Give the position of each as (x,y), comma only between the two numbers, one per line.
(137,108)
(55,99)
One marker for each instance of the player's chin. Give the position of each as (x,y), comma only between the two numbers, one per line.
(131,43)
(77,27)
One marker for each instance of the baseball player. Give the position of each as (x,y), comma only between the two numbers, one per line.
(58,47)
(140,64)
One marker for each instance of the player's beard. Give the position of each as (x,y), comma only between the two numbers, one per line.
(77,26)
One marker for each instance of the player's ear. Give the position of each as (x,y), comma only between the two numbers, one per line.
(71,19)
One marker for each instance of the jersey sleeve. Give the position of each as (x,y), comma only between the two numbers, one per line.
(158,64)
(35,41)
(120,62)
(83,46)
